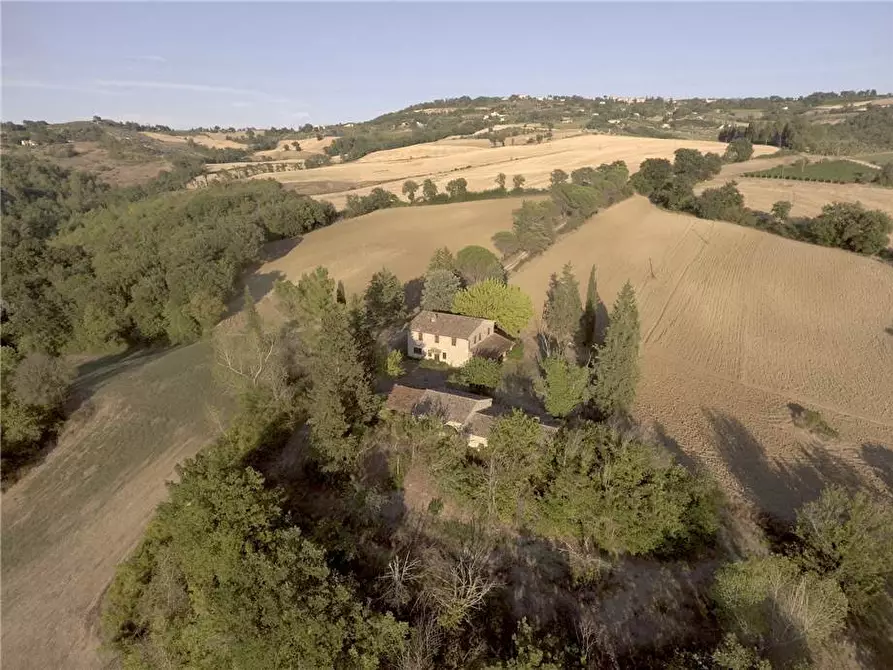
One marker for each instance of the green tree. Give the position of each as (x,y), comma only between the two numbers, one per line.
(475,264)
(653,173)
(721,204)
(394,364)
(781,210)
(500,181)
(850,226)
(563,385)
(340,294)
(429,190)
(589,324)
(534,226)
(506,242)
(767,601)
(563,309)
(508,306)
(457,188)
(410,188)
(223,579)
(442,259)
(480,374)
(42,381)
(617,367)
(385,301)
(850,539)
(440,289)
(739,150)
(340,401)
(307,301)
(512,456)
(558,177)
(518,183)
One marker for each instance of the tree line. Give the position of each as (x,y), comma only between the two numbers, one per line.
(503,562)
(844,225)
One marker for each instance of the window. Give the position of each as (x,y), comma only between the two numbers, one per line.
(437,339)
(417,350)
(454,341)
(443,356)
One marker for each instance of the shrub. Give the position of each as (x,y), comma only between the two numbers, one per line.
(850,539)
(394,364)
(479,374)
(769,602)
(813,421)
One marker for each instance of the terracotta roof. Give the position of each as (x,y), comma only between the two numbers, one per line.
(446,324)
(452,407)
(403,398)
(493,346)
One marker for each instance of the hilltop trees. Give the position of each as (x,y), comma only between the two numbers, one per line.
(410,188)
(850,226)
(653,172)
(558,177)
(429,190)
(617,366)
(492,299)
(475,264)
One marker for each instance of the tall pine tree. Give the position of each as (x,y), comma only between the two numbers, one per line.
(617,367)
(563,309)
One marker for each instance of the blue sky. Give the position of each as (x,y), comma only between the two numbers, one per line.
(286,64)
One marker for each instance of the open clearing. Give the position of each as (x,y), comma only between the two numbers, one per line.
(210,140)
(736,324)
(450,159)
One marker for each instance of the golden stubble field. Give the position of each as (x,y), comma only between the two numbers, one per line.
(737,324)
(479,163)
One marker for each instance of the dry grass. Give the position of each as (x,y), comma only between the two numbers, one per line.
(736,324)
(91,157)
(402,239)
(308,146)
(478,163)
(210,140)
(69,522)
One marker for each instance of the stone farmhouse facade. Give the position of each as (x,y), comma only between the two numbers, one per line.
(453,339)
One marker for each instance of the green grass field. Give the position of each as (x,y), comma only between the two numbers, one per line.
(838,171)
(879,158)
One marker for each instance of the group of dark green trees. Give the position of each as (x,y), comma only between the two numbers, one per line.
(537,224)
(845,225)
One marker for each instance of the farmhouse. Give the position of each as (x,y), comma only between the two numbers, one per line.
(453,339)
(470,415)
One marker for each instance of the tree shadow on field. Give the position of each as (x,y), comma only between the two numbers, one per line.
(412,292)
(777,488)
(880,458)
(274,250)
(664,439)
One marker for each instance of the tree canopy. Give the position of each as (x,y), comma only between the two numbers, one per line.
(507,305)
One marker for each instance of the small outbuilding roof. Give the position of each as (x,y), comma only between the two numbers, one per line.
(446,324)
(492,346)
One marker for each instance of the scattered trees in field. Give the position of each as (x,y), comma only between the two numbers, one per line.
(851,226)
(518,183)
(781,210)
(429,190)
(507,305)
(616,371)
(457,188)
(557,177)
(410,188)
(739,150)
(475,264)
(500,181)
(378,198)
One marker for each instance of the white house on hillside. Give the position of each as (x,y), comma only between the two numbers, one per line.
(453,339)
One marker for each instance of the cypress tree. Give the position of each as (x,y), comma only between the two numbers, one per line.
(617,367)
(563,310)
(589,320)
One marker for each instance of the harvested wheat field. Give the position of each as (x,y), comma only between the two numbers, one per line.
(311,145)
(737,324)
(450,159)
(210,140)
(807,197)
(401,239)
